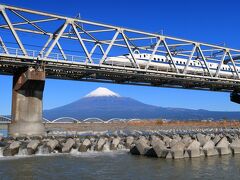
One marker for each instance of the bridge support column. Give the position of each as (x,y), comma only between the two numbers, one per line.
(27,93)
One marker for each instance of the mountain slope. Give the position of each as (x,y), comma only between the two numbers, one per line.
(105,104)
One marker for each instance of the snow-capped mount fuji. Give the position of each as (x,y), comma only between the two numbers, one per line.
(102,92)
(106,104)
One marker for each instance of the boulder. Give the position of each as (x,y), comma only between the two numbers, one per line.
(12,149)
(235,146)
(86,144)
(32,146)
(68,145)
(194,149)
(209,148)
(178,150)
(223,146)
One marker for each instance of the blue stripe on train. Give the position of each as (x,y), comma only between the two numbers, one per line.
(156,61)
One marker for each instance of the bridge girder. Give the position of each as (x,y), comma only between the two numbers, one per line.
(85,63)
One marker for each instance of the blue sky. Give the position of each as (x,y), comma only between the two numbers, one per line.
(205,21)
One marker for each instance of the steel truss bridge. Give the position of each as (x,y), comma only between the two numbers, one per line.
(76,49)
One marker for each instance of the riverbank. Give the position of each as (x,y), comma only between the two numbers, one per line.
(165,142)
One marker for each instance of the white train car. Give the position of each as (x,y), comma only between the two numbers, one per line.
(162,63)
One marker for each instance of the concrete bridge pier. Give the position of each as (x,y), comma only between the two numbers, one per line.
(27,93)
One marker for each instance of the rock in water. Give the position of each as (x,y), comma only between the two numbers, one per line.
(32,146)
(68,145)
(194,149)
(178,150)
(235,146)
(216,139)
(129,141)
(115,143)
(202,139)
(223,146)
(151,153)
(186,140)
(52,144)
(209,148)
(167,140)
(160,150)
(85,145)
(140,148)
(12,149)
(100,144)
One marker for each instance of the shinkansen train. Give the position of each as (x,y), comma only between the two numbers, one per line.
(164,63)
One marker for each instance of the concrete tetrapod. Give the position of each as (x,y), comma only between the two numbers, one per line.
(140,148)
(160,150)
(85,145)
(177,150)
(68,145)
(100,144)
(194,149)
(235,146)
(129,141)
(52,144)
(223,146)
(12,149)
(209,148)
(115,143)
(32,146)
(202,139)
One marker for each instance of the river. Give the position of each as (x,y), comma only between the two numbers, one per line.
(117,165)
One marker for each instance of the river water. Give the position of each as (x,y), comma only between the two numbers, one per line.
(117,165)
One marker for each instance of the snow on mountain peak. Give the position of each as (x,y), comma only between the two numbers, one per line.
(102,92)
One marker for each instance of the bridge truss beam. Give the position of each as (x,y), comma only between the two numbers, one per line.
(70,48)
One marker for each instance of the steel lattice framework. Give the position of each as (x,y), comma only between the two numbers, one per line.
(72,48)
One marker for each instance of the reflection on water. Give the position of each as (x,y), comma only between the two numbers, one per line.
(118,166)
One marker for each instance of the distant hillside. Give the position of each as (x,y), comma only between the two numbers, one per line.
(105,104)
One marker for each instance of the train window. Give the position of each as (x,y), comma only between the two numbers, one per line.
(184,62)
(210,65)
(140,56)
(177,62)
(144,55)
(162,60)
(191,64)
(180,62)
(154,58)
